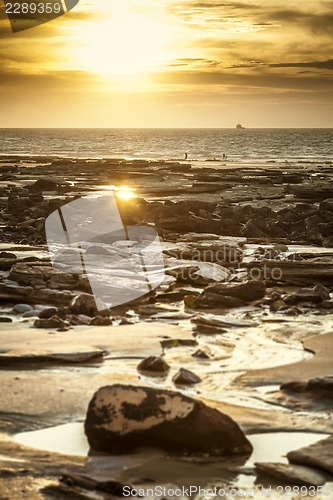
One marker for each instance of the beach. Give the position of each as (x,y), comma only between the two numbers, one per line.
(241,321)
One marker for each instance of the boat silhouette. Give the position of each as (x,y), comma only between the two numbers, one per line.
(239,126)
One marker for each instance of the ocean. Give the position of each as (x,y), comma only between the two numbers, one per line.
(248,146)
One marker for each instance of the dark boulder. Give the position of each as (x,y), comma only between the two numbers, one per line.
(121,418)
(200,354)
(185,377)
(154,364)
(5,319)
(48,313)
(7,255)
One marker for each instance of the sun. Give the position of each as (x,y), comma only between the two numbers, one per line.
(127,40)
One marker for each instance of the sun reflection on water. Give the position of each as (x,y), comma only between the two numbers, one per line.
(124,193)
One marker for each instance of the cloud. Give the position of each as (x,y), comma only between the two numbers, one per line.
(319,23)
(328,65)
(245,81)
(315,64)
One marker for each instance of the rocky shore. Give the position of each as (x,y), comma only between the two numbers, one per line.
(236,342)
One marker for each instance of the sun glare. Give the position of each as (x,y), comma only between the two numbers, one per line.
(126,41)
(125,193)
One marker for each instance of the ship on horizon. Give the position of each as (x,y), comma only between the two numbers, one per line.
(239,126)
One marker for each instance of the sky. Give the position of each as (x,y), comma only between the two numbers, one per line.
(171,63)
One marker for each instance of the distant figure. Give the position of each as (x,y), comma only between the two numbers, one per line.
(223,156)
(185,156)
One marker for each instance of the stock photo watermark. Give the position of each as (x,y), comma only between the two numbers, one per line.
(27,14)
(122,263)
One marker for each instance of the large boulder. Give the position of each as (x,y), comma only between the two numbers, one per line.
(121,418)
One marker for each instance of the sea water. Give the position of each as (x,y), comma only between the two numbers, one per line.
(249,146)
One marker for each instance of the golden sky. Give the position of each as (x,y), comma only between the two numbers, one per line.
(171,63)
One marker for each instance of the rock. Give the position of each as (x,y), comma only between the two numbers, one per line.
(101,321)
(84,304)
(5,319)
(315,389)
(327,304)
(45,185)
(254,229)
(154,364)
(294,474)
(27,275)
(61,281)
(47,313)
(14,293)
(328,242)
(322,291)
(185,377)
(277,305)
(326,205)
(78,319)
(214,300)
(7,264)
(178,224)
(171,315)
(21,308)
(247,291)
(304,272)
(290,311)
(222,321)
(318,455)
(94,250)
(190,300)
(53,322)
(7,255)
(121,418)
(315,295)
(31,314)
(197,273)
(200,354)
(280,247)
(83,284)
(215,251)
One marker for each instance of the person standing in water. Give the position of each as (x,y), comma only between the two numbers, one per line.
(185,158)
